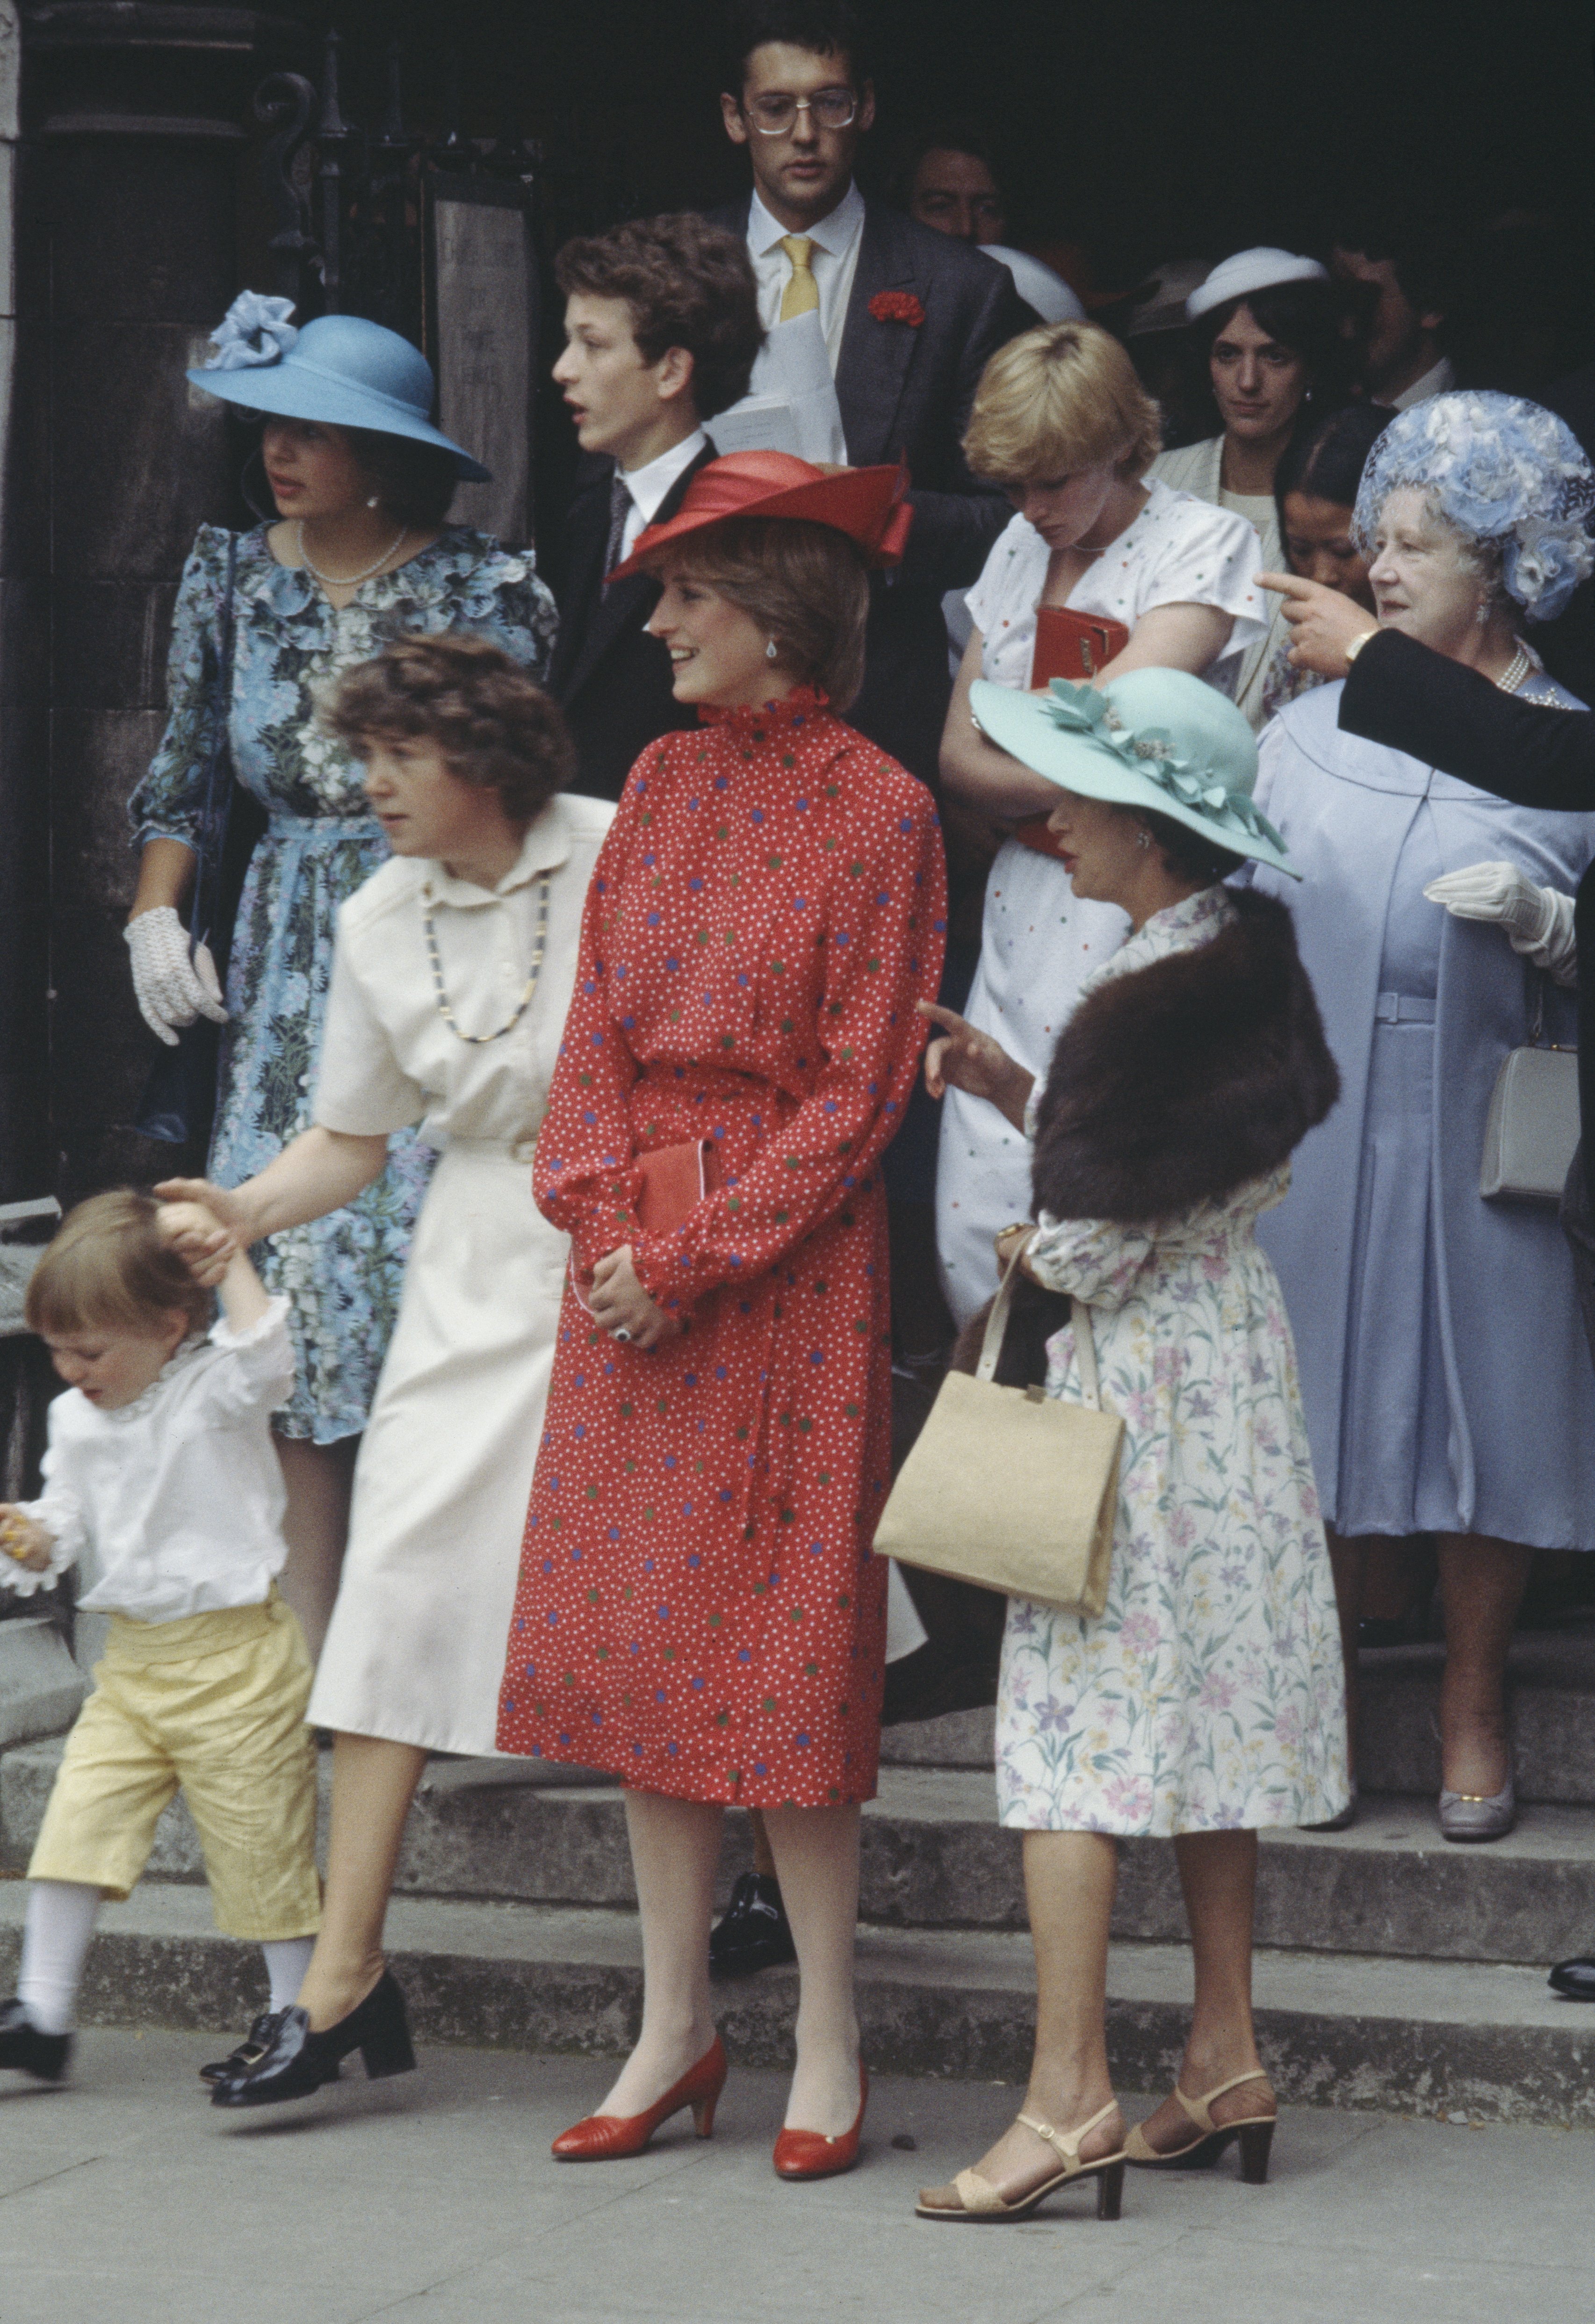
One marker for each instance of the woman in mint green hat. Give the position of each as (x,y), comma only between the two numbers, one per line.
(1206,1701)
(359,552)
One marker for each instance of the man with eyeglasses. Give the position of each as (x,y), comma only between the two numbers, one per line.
(908,319)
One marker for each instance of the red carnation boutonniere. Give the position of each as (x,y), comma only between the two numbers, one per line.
(897,307)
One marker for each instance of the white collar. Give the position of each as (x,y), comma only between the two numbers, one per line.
(835,232)
(546,846)
(649,485)
(1438,380)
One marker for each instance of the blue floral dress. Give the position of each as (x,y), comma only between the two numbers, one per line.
(342,1274)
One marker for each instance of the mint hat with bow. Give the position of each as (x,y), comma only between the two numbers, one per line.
(1158,740)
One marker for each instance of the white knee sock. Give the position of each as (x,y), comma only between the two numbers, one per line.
(55,1941)
(287,1960)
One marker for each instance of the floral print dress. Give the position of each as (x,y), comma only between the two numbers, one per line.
(1208,1695)
(342,1274)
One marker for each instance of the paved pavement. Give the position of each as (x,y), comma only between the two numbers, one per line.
(432,2200)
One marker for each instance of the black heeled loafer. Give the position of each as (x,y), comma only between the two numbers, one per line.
(296,2062)
(754,1932)
(26,2051)
(249,2052)
(1574,1980)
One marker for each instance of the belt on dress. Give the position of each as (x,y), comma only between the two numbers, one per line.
(513,1149)
(1404,1009)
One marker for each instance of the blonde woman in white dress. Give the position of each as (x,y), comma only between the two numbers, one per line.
(1061,423)
(452,978)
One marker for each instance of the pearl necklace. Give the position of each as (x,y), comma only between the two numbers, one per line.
(347,580)
(1518,669)
(480,1041)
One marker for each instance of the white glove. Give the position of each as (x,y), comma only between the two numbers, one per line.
(1538,921)
(171,989)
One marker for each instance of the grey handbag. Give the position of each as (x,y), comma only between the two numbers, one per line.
(1532,1132)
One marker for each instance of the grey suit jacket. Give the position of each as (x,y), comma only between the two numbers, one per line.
(905,389)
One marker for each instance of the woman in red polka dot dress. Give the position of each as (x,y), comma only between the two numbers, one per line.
(697,1608)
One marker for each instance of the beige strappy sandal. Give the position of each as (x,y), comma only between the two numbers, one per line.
(1255,2133)
(979,2200)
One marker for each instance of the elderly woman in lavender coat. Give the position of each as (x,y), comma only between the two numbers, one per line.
(1444,1376)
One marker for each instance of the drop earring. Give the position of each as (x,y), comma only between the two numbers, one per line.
(375,501)
(1143,837)
(770,651)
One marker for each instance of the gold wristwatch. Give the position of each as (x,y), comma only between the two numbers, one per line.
(1357,644)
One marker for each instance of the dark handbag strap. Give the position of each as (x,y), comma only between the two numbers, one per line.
(218,774)
(1079,1315)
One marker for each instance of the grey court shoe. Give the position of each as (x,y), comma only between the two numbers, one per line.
(1465,1817)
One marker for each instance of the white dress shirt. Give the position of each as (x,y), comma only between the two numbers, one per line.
(172,1505)
(1438,380)
(651,485)
(835,261)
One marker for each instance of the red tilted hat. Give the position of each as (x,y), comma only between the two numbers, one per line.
(870,505)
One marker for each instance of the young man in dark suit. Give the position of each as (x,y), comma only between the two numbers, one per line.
(661,326)
(909,317)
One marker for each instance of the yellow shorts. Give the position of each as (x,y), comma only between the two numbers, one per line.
(213,1705)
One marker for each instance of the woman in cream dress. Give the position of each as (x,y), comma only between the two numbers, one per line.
(449,989)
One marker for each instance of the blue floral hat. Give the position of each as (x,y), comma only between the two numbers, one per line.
(1158,740)
(340,369)
(1500,469)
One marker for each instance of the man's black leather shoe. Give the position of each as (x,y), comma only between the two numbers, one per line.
(26,2051)
(1575,1978)
(754,1933)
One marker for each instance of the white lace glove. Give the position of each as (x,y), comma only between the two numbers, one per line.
(1538,921)
(171,989)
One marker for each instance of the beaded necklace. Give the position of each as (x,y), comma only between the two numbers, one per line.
(479,1040)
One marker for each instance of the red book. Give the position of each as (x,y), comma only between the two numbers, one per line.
(1075,646)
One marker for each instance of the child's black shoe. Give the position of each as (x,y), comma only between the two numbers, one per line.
(26,2051)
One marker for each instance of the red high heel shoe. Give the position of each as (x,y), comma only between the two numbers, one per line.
(609,2138)
(814,2155)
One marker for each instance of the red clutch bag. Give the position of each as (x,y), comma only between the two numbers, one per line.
(669,1181)
(672,1179)
(1075,646)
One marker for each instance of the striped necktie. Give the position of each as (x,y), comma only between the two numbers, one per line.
(620,509)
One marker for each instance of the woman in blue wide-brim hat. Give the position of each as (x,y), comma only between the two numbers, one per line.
(361,551)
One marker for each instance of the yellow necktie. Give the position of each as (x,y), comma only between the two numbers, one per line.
(802,293)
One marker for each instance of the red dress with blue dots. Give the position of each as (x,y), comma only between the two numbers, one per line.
(697,1608)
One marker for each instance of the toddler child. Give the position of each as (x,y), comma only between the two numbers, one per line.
(162,1484)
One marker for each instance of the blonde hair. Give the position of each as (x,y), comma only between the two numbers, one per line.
(1058,400)
(805,585)
(110,1269)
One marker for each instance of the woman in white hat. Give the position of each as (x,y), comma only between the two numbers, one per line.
(361,551)
(1265,327)
(1205,1703)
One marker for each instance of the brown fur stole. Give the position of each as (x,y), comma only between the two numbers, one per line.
(1169,1087)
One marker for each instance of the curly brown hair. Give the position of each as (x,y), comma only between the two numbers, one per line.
(111,1268)
(494,725)
(688,284)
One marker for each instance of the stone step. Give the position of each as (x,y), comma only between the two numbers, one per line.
(1463,2042)
(1552,1677)
(935,1857)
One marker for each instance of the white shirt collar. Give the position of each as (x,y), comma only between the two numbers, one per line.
(546,846)
(1438,380)
(835,232)
(649,485)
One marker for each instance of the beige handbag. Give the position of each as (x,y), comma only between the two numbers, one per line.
(1010,1488)
(1533,1128)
